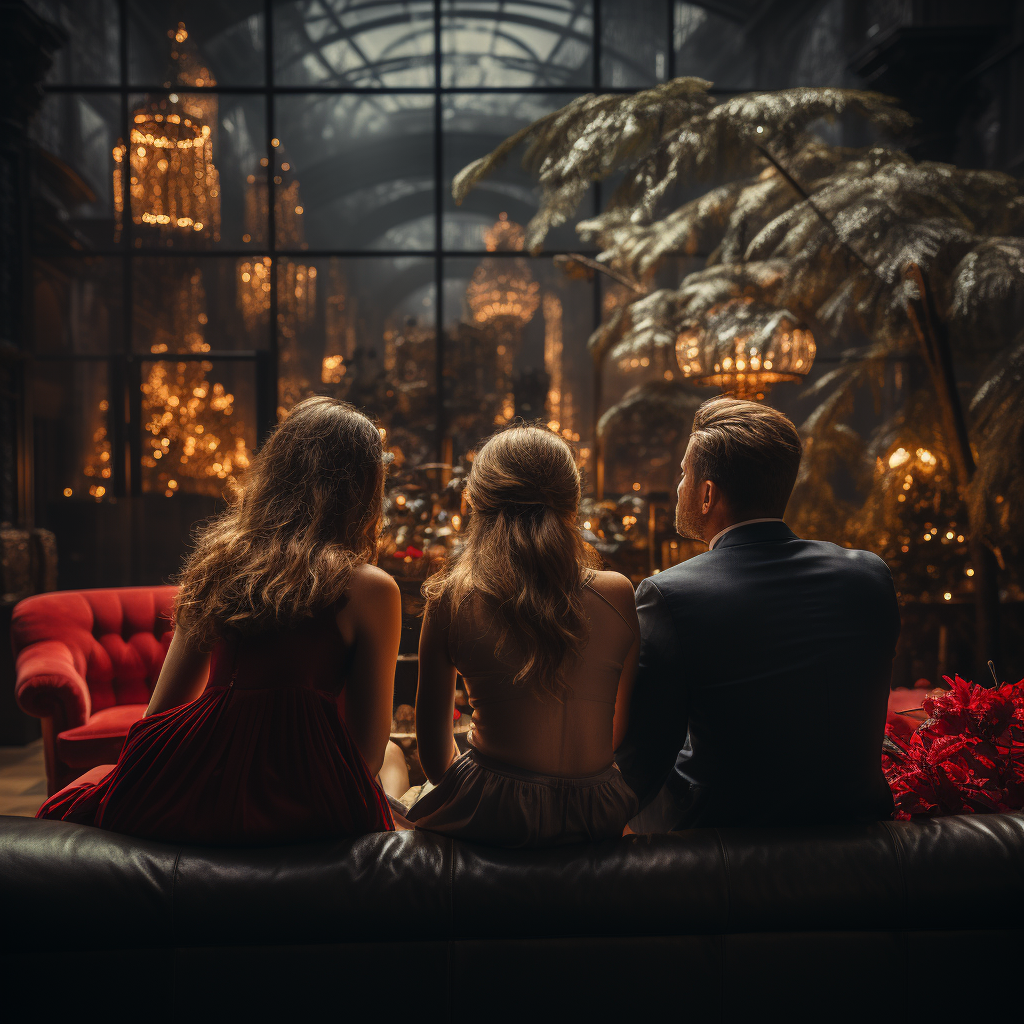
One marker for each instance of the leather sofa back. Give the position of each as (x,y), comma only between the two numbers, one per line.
(117,638)
(724,922)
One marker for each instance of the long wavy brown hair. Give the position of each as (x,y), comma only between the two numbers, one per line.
(307,511)
(524,555)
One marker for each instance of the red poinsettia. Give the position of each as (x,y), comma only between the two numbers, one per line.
(968,757)
(409,552)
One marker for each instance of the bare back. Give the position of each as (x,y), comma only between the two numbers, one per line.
(516,723)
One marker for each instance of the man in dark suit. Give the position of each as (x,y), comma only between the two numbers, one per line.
(765,662)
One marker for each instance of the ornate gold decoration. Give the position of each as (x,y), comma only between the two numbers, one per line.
(744,347)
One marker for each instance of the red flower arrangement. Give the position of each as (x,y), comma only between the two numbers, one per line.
(967,758)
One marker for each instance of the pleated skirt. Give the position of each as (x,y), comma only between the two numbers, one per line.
(235,767)
(484,801)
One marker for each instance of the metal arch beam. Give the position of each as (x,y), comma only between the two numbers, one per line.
(407,208)
(405,157)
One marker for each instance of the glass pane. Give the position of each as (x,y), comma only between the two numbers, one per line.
(71,425)
(516,334)
(362,169)
(77,306)
(75,171)
(530,43)
(349,43)
(194,305)
(90,57)
(634,42)
(474,124)
(710,45)
(363,330)
(197,164)
(195,42)
(198,425)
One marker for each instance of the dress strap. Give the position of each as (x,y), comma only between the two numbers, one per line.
(594,590)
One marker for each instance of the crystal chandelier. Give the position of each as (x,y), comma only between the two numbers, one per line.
(744,347)
(503,289)
(173,182)
(503,296)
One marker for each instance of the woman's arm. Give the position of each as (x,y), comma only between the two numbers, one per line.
(183,677)
(619,591)
(435,696)
(372,617)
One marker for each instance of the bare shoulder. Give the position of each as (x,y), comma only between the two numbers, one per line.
(617,590)
(371,590)
(372,579)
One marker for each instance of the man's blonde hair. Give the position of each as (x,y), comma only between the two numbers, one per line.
(751,451)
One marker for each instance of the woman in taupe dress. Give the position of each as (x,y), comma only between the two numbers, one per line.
(548,648)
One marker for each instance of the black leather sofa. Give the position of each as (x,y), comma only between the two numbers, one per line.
(924,920)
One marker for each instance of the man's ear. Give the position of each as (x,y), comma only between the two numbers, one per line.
(709,498)
(713,496)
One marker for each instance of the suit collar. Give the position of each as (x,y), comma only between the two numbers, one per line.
(755,533)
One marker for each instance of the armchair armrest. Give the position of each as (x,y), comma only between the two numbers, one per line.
(48,685)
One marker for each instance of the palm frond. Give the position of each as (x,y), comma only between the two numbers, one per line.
(986,305)
(657,403)
(660,137)
(996,494)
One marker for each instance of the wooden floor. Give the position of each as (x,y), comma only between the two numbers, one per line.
(22,779)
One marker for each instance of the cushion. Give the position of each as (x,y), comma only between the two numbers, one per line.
(99,741)
(117,637)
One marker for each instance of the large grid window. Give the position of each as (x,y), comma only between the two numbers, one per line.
(243,203)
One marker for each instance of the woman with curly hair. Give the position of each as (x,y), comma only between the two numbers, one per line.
(271,715)
(548,647)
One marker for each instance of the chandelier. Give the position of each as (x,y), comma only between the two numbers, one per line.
(503,296)
(503,289)
(173,183)
(744,347)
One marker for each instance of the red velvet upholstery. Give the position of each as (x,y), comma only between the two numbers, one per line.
(99,741)
(87,662)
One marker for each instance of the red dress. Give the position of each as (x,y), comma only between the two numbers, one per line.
(262,757)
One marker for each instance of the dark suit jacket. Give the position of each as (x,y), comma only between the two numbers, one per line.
(765,667)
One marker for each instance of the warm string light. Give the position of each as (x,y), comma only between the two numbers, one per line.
(918,518)
(193,431)
(99,464)
(559,400)
(296,285)
(173,185)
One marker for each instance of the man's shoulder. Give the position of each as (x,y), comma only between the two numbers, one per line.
(854,560)
(708,565)
(693,571)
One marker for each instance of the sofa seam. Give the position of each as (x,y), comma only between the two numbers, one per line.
(174,895)
(728,887)
(900,863)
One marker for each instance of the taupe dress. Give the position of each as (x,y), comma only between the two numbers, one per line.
(539,771)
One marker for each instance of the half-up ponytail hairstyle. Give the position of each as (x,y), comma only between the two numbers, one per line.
(306,512)
(524,555)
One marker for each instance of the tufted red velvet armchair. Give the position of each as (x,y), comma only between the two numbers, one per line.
(87,662)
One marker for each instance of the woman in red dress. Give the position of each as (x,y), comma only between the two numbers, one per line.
(271,716)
